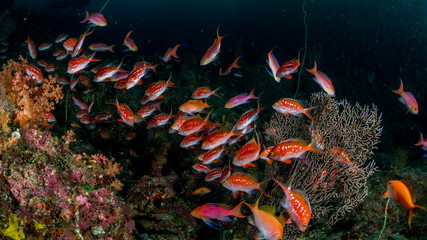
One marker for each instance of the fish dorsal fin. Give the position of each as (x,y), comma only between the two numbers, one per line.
(268,208)
(410,189)
(300,140)
(220,205)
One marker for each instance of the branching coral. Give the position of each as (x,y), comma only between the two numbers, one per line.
(333,188)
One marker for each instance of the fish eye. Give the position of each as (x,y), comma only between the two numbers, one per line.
(304,226)
(193,212)
(389,183)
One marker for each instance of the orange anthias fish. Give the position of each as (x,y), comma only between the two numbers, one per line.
(213,155)
(247,154)
(247,118)
(288,68)
(69,45)
(34,73)
(341,156)
(171,52)
(190,140)
(290,106)
(402,193)
(213,51)
(241,182)
(291,148)
(270,227)
(217,138)
(323,80)
(407,98)
(273,64)
(77,48)
(128,42)
(297,205)
(137,73)
(219,211)
(79,63)
(193,125)
(159,120)
(227,68)
(125,113)
(193,106)
(155,90)
(204,92)
(32,50)
(101,47)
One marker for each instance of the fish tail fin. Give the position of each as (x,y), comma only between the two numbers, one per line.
(262,190)
(154,68)
(236,211)
(314,69)
(309,115)
(400,90)
(214,92)
(252,95)
(86,18)
(420,142)
(411,213)
(217,34)
(110,48)
(313,149)
(234,64)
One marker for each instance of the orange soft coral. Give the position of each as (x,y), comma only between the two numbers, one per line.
(32,99)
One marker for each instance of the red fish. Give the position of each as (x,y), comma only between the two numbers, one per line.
(80,103)
(240,99)
(226,172)
(146,111)
(96,19)
(213,51)
(101,47)
(199,167)
(291,148)
(128,42)
(104,134)
(402,193)
(177,124)
(34,73)
(217,138)
(45,46)
(79,63)
(32,50)
(204,92)
(137,73)
(218,211)
(213,175)
(155,90)
(201,191)
(288,68)
(125,113)
(61,38)
(130,136)
(193,125)
(273,64)
(247,118)
(159,120)
(106,72)
(241,182)
(50,119)
(290,106)
(227,68)
(171,52)
(69,45)
(77,48)
(190,141)
(407,98)
(323,80)
(247,154)
(297,205)
(213,155)
(61,56)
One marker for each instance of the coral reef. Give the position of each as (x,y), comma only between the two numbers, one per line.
(52,192)
(333,187)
